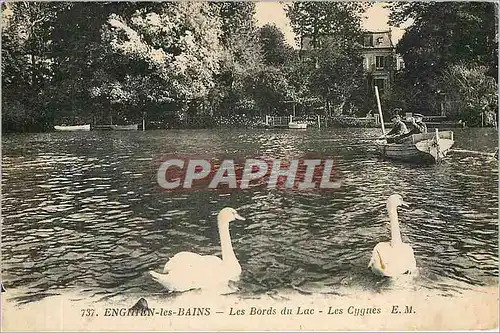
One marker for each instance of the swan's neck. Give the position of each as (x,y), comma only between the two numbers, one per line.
(225,242)
(393,218)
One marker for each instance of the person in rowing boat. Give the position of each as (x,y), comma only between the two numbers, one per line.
(417,127)
(398,129)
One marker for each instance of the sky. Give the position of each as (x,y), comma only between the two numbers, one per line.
(273,12)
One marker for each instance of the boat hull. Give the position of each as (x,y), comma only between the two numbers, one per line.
(293,125)
(420,148)
(110,127)
(407,153)
(72,128)
(133,127)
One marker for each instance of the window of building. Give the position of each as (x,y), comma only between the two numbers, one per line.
(379,62)
(380,40)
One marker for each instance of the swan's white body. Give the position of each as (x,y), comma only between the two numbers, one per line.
(187,270)
(393,258)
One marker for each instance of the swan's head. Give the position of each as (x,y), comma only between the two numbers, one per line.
(396,200)
(229,214)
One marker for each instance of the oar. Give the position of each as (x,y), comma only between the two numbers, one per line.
(473,152)
(380,111)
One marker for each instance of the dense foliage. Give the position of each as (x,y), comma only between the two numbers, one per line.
(102,62)
(449,48)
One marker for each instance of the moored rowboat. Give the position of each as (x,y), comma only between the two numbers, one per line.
(296,125)
(112,127)
(133,127)
(65,128)
(424,148)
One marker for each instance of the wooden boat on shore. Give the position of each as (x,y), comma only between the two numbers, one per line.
(423,148)
(133,127)
(65,128)
(297,125)
(110,127)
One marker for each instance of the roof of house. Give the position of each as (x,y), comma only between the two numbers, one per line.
(377,39)
(373,39)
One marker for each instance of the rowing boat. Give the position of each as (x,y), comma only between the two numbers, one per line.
(133,127)
(112,127)
(297,125)
(424,148)
(73,128)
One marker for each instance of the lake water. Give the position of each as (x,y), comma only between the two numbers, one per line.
(84,211)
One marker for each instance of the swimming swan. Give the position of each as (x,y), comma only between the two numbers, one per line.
(395,257)
(187,270)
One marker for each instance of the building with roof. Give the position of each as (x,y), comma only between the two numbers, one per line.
(380,60)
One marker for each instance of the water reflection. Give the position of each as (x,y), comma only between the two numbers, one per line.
(84,210)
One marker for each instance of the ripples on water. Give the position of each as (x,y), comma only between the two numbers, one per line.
(83,210)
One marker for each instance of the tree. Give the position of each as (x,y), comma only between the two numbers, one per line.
(241,57)
(169,54)
(334,61)
(78,54)
(26,64)
(339,74)
(237,19)
(449,31)
(51,53)
(270,89)
(444,34)
(275,50)
(299,73)
(319,19)
(471,91)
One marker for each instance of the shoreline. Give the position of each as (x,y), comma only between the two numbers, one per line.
(440,126)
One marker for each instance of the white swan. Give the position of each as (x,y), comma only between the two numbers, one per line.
(395,257)
(187,270)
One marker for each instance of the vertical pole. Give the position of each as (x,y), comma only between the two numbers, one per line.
(319,121)
(380,110)
(143,121)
